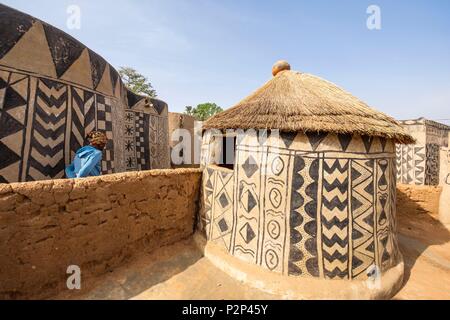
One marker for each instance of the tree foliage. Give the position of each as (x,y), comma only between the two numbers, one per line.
(136,82)
(203,111)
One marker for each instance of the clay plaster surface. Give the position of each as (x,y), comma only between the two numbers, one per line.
(180,271)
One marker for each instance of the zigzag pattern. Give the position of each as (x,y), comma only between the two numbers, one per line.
(363,216)
(89,112)
(335,218)
(398,161)
(77,133)
(47,142)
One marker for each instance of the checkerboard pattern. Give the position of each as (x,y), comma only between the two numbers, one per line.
(104,123)
(140,144)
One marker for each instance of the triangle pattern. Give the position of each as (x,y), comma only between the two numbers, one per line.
(118,90)
(13,26)
(376,145)
(18,114)
(383,142)
(344,140)
(65,50)
(114,77)
(7,156)
(80,71)
(356,144)
(3,84)
(34,41)
(288,138)
(13,99)
(2,96)
(17,77)
(104,85)
(315,138)
(98,65)
(10,173)
(14,142)
(367,142)
(8,125)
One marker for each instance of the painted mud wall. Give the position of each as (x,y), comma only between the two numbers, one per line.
(53,91)
(305,205)
(146,136)
(418,199)
(94,223)
(420,164)
(444,204)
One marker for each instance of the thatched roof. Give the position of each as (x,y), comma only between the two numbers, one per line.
(298,102)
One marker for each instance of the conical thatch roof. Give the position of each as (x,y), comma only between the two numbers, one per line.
(292,101)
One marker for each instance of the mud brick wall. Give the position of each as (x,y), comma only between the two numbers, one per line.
(418,199)
(94,223)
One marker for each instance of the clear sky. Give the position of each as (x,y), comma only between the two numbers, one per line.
(196,51)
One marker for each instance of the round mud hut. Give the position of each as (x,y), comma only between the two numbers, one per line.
(303,203)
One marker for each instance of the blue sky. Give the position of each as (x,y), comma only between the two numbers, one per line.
(195,51)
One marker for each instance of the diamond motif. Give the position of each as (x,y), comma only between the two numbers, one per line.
(250,167)
(248,201)
(223,226)
(223,200)
(247,233)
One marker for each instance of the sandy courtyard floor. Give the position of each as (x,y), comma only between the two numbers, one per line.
(180,271)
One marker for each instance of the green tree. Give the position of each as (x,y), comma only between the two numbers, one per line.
(136,82)
(203,111)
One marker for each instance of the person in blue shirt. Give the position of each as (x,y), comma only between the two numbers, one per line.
(88,159)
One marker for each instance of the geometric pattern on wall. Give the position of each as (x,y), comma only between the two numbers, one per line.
(42,124)
(335,218)
(363,227)
(137,141)
(64,52)
(130,141)
(207,192)
(303,258)
(340,205)
(13,110)
(142,141)
(159,155)
(432,165)
(275,211)
(46,158)
(387,247)
(104,123)
(77,88)
(418,164)
(220,215)
(247,207)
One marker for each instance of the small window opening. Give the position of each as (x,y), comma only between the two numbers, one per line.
(227,152)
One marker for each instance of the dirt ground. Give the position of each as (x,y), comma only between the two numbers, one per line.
(181,272)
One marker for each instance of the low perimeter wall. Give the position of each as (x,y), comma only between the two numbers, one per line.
(413,199)
(94,223)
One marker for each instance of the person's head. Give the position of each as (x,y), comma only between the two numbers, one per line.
(97,139)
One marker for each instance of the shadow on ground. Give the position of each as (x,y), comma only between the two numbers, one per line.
(139,274)
(418,232)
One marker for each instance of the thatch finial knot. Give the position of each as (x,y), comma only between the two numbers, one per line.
(280,65)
